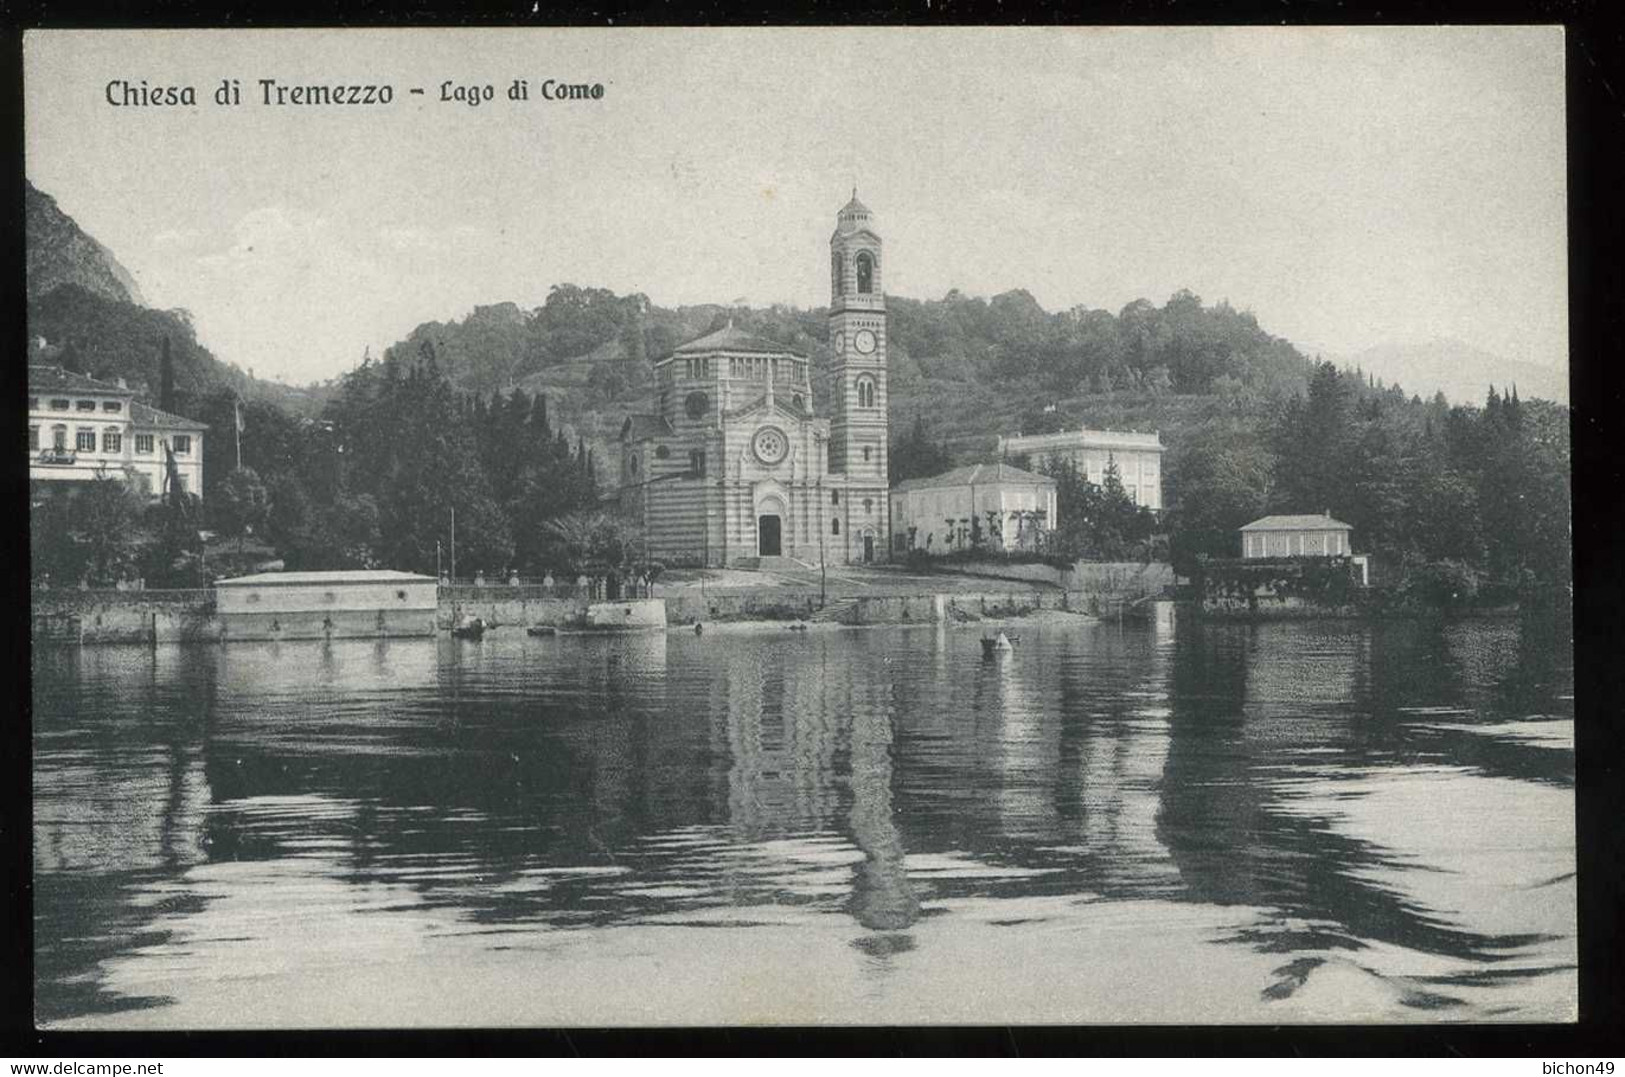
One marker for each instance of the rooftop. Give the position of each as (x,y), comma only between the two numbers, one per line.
(730,338)
(978,473)
(1307,522)
(638,427)
(147,415)
(340,576)
(1084,439)
(45,377)
(854,206)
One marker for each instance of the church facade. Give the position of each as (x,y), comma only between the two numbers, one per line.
(730,464)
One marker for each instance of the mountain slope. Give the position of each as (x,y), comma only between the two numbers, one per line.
(60,252)
(84,307)
(1462,372)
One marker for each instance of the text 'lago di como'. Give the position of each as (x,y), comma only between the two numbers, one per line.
(231,92)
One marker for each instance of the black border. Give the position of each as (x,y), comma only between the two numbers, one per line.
(1596,118)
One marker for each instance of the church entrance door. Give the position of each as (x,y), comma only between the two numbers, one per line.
(767,536)
(868,549)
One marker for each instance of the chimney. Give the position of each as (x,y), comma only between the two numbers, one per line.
(120,383)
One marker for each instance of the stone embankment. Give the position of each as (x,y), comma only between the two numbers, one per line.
(154,617)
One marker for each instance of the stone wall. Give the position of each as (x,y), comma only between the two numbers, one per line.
(1107,582)
(190,616)
(500,609)
(123,616)
(1270,588)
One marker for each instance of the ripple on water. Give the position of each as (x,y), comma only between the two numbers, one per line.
(1271,823)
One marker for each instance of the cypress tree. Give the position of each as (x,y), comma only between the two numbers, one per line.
(166,378)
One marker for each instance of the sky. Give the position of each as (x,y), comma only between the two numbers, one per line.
(1351,187)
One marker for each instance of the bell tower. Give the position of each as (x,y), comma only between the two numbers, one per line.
(857,380)
(857,335)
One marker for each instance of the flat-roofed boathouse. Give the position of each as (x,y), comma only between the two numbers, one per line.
(347,604)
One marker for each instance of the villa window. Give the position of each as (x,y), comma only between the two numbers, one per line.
(182,444)
(112,441)
(84,405)
(112,406)
(143,443)
(59,438)
(86,440)
(33,438)
(61,405)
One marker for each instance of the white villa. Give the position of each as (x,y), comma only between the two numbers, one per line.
(1138,457)
(81,428)
(1012,509)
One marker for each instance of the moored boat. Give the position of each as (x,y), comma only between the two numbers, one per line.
(469,628)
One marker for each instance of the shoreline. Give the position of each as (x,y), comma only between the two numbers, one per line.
(1035,618)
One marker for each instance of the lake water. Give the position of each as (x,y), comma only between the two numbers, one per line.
(1273,823)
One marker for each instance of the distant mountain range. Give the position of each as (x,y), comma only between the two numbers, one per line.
(60,252)
(1462,372)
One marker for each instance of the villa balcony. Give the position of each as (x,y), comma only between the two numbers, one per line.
(57,458)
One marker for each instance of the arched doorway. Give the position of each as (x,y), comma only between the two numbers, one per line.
(769,535)
(868,547)
(770,526)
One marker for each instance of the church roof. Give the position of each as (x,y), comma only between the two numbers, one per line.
(978,473)
(730,338)
(782,404)
(638,427)
(855,206)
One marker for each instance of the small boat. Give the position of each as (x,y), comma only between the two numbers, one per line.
(469,628)
(541,630)
(999,644)
(799,626)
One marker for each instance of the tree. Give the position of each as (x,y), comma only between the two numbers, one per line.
(595,543)
(166,378)
(70,359)
(1218,478)
(242,505)
(105,515)
(54,554)
(914,456)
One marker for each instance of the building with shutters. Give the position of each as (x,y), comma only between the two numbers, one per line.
(1138,457)
(82,428)
(983,506)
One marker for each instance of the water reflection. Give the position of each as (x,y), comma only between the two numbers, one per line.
(1251,801)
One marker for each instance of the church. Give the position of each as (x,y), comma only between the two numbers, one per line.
(732,466)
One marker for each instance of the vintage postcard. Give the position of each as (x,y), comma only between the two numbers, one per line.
(620,527)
